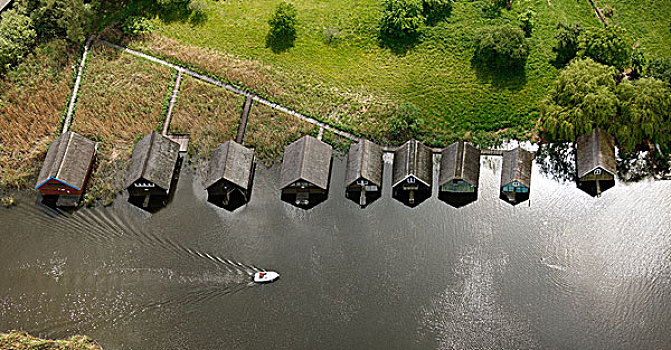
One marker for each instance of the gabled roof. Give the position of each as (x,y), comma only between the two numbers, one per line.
(595,149)
(460,161)
(232,162)
(68,160)
(306,159)
(364,160)
(413,159)
(154,159)
(517,167)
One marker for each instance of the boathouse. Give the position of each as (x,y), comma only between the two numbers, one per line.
(516,175)
(459,174)
(66,169)
(152,167)
(306,168)
(413,173)
(363,177)
(229,179)
(595,162)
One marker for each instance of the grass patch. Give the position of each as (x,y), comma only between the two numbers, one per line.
(23,341)
(120,101)
(33,97)
(208,113)
(269,131)
(649,21)
(357,85)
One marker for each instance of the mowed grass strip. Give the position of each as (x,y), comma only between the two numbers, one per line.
(353,83)
(269,131)
(33,97)
(120,101)
(208,113)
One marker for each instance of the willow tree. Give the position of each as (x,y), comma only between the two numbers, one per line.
(645,108)
(610,46)
(582,97)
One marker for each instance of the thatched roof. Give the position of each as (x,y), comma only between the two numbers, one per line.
(232,162)
(154,159)
(460,161)
(67,160)
(306,159)
(3,4)
(517,167)
(595,149)
(413,159)
(364,160)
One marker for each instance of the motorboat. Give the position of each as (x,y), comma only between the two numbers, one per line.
(265,276)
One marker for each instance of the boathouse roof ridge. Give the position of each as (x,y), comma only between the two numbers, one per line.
(306,159)
(413,159)
(460,160)
(154,159)
(67,160)
(364,160)
(595,149)
(230,161)
(516,166)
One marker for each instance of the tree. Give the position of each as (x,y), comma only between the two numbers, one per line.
(582,97)
(659,68)
(436,10)
(526,19)
(568,39)
(645,107)
(17,37)
(501,47)
(610,46)
(493,8)
(282,33)
(401,20)
(69,19)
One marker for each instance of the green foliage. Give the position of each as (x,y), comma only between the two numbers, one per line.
(568,40)
(17,37)
(610,46)
(68,19)
(137,25)
(501,47)
(645,108)
(282,33)
(586,95)
(582,97)
(401,20)
(493,8)
(526,19)
(436,10)
(659,68)
(406,123)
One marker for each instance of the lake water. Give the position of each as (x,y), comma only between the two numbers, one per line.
(561,271)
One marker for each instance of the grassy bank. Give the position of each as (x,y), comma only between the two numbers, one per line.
(208,113)
(649,21)
(269,131)
(353,83)
(23,341)
(120,100)
(33,97)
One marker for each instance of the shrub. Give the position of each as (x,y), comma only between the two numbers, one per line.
(282,33)
(526,19)
(406,123)
(610,46)
(17,37)
(659,68)
(137,25)
(493,8)
(436,10)
(402,19)
(567,36)
(501,47)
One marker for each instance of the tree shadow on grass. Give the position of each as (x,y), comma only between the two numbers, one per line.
(514,78)
(279,44)
(400,47)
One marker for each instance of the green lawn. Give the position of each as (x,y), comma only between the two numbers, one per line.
(649,21)
(357,85)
